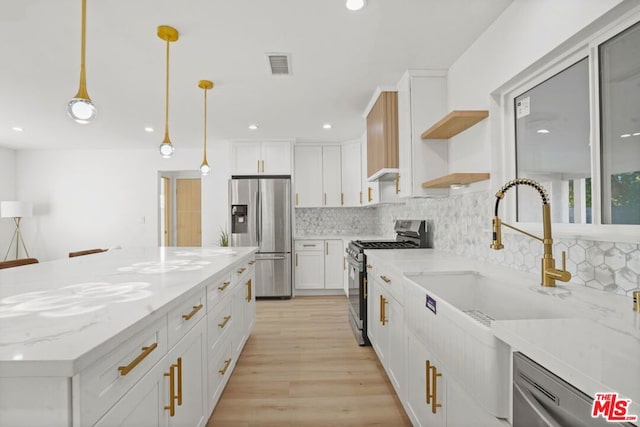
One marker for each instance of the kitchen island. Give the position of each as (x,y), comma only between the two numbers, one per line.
(144,336)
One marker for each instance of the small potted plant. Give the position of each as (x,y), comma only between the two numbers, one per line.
(223,238)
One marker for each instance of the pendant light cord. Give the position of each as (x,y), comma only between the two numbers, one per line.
(166,115)
(82,90)
(205,125)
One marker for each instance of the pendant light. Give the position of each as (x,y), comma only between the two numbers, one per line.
(168,34)
(205,85)
(80,108)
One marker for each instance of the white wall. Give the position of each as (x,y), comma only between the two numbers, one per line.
(103,198)
(525,32)
(7,192)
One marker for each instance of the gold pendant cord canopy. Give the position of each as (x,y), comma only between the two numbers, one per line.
(205,85)
(168,34)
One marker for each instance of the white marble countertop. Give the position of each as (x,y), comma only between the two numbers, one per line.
(597,349)
(54,316)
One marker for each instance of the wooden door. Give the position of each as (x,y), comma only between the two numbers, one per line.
(166,206)
(188,212)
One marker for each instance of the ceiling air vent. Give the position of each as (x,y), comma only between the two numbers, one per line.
(279,64)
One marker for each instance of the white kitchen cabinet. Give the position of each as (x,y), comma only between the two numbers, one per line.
(173,393)
(254,158)
(307,176)
(351,173)
(422,98)
(331,176)
(309,264)
(334,264)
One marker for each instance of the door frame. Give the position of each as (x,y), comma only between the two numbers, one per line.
(171,176)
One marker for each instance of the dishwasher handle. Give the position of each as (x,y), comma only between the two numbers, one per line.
(542,414)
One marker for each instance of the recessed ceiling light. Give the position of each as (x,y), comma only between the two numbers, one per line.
(148,129)
(355,4)
(326,126)
(253,127)
(543,131)
(17,128)
(626,135)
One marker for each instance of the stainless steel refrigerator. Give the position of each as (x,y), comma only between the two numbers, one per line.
(260,215)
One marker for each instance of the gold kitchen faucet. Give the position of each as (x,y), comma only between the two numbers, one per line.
(549,272)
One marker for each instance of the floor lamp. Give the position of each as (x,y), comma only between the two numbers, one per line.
(17,211)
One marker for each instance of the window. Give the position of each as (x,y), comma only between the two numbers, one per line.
(591,177)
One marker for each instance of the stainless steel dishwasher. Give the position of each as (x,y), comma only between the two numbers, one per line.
(542,399)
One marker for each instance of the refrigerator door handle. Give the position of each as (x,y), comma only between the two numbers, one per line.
(269,258)
(258,217)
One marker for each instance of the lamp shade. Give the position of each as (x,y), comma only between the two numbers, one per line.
(13,209)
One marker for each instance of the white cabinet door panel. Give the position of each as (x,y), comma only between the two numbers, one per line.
(331,176)
(308,176)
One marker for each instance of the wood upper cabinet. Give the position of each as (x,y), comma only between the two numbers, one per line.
(382,134)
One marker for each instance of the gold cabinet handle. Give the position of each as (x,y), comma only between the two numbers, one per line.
(364,288)
(369,266)
(249,293)
(383,311)
(434,401)
(325,199)
(296,260)
(385,278)
(241,270)
(341,199)
(361,197)
(344,263)
(296,199)
(397,183)
(224,322)
(172,391)
(309,245)
(427,369)
(262,166)
(196,308)
(369,194)
(326,247)
(124,370)
(226,366)
(179,368)
(253,261)
(224,286)
(258,166)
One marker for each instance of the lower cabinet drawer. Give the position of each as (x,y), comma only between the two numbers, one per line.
(108,379)
(185,316)
(220,367)
(220,322)
(217,290)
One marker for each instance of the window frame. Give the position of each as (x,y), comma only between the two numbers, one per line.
(503,108)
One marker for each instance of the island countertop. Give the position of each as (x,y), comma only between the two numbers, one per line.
(57,316)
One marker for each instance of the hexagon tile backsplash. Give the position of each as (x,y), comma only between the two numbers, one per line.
(462,225)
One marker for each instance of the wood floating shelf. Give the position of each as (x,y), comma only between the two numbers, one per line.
(454,123)
(455,179)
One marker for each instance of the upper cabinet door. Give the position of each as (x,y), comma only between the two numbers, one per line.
(308,176)
(331,176)
(245,158)
(382,134)
(276,158)
(351,174)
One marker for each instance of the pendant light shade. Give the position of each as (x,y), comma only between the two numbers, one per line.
(80,108)
(205,85)
(168,34)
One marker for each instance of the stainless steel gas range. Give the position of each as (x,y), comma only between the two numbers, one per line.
(410,234)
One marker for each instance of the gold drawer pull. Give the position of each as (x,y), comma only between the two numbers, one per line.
(309,245)
(369,266)
(427,368)
(179,366)
(224,323)
(124,370)
(251,262)
(172,391)
(226,366)
(242,270)
(224,286)
(385,278)
(434,396)
(383,311)
(249,293)
(196,308)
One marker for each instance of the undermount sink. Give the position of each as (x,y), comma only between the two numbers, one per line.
(455,318)
(486,299)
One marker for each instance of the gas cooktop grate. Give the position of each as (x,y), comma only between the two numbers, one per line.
(385,245)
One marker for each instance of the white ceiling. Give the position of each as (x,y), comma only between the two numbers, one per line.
(338,59)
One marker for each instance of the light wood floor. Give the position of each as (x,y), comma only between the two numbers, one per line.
(302,367)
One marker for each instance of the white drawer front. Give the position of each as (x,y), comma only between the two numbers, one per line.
(309,245)
(185,316)
(108,379)
(220,321)
(242,271)
(220,366)
(217,290)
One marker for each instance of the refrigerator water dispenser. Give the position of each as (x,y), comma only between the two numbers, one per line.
(238,219)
